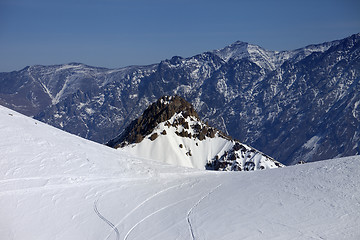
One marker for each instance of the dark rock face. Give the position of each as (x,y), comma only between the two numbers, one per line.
(160,111)
(19,91)
(296,105)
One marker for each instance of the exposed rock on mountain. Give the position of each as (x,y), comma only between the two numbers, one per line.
(171,131)
(158,112)
(307,100)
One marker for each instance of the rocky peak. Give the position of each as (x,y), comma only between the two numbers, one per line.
(165,107)
(171,131)
(160,111)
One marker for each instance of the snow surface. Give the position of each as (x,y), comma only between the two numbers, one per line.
(190,152)
(166,148)
(266,58)
(54,185)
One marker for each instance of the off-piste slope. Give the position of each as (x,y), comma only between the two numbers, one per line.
(54,185)
(171,131)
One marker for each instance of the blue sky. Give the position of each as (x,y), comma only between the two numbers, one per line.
(117,33)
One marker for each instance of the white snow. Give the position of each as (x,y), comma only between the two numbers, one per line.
(266,58)
(133,96)
(312,142)
(356,110)
(189,152)
(58,96)
(69,66)
(89,111)
(311,146)
(46,90)
(54,185)
(167,149)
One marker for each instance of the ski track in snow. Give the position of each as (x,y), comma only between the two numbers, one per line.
(114,226)
(191,228)
(155,212)
(106,220)
(148,199)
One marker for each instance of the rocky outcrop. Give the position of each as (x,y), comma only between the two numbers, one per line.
(160,111)
(170,131)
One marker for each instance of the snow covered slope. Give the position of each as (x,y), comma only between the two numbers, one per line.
(54,185)
(266,58)
(170,131)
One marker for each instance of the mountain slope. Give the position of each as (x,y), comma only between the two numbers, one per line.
(170,131)
(305,100)
(58,186)
(266,59)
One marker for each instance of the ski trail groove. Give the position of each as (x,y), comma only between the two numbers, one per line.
(153,213)
(191,229)
(148,199)
(106,221)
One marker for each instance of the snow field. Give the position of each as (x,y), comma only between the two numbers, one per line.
(54,185)
(189,152)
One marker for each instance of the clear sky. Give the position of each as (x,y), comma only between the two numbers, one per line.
(118,33)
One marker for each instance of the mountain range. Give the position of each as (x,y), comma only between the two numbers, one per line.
(292,105)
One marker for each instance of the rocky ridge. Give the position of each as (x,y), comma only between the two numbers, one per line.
(170,131)
(160,111)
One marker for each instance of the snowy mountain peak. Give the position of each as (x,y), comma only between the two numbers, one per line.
(243,50)
(236,50)
(268,59)
(170,131)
